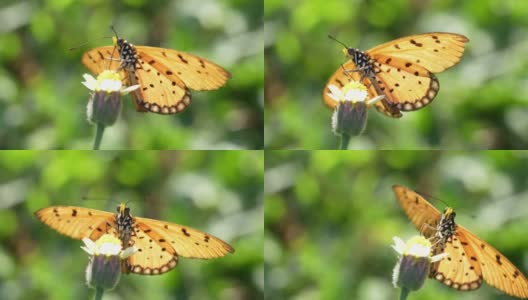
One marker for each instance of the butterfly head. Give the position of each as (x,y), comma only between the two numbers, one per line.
(123,210)
(127,52)
(123,216)
(360,58)
(449,213)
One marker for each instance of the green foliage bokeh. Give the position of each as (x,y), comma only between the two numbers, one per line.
(219,192)
(330,217)
(482,103)
(43,104)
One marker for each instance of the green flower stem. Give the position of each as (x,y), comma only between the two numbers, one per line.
(404,293)
(99,293)
(345,140)
(98,136)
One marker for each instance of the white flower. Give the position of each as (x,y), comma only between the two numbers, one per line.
(108,81)
(414,263)
(107,245)
(105,102)
(353,91)
(417,246)
(106,260)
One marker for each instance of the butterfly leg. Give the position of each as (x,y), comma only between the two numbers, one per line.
(389,106)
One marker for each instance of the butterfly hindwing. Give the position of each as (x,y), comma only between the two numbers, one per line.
(460,269)
(407,88)
(159,90)
(155,254)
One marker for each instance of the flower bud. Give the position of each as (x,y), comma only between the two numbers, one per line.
(349,118)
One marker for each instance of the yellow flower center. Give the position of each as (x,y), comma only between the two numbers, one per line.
(109,75)
(354,85)
(418,246)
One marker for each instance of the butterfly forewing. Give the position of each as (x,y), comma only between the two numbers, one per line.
(435,51)
(423,215)
(188,242)
(197,73)
(103,58)
(77,222)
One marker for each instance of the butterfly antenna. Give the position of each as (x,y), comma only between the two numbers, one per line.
(346,58)
(114,48)
(87,198)
(86,43)
(113,29)
(333,38)
(428,196)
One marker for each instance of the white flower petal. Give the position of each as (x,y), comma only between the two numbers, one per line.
(336,93)
(396,274)
(110,85)
(439,257)
(89,78)
(399,245)
(110,249)
(89,82)
(355,95)
(375,99)
(128,252)
(333,97)
(90,248)
(129,89)
(334,89)
(419,250)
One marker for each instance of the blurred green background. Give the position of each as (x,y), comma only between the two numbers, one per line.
(219,192)
(43,104)
(330,217)
(482,103)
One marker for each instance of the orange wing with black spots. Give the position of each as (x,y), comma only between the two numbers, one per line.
(402,70)
(470,260)
(165,76)
(159,243)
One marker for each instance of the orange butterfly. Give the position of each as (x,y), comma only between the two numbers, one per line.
(165,76)
(470,259)
(159,243)
(401,70)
